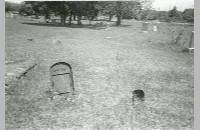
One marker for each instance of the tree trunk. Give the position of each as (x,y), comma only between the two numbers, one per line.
(70,19)
(79,20)
(139,17)
(46,15)
(74,17)
(90,19)
(119,12)
(118,20)
(36,16)
(63,19)
(110,17)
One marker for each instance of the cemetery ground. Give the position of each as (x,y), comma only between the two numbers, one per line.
(107,66)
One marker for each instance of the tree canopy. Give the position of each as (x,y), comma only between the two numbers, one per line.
(188,15)
(137,9)
(9,6)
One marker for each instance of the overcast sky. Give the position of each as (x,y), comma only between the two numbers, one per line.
(158,4)
(169,4)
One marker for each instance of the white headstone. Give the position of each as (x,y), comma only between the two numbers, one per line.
(41,19)
(155,29)
(11,14)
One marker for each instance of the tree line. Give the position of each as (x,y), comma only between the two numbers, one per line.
(138,9)
(172,15)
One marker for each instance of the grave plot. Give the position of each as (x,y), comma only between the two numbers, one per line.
(105,73)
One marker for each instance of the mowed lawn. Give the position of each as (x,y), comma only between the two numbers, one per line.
(107,65)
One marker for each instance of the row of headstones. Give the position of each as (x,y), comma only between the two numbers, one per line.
(11,15)
(42,19)
(147,27)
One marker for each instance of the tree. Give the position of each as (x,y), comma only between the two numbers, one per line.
(72,7)
(188,15)
(142,9)
(59,8)
(35,8)
(26,9)
(174,14)
(85,8)
(41,8)
(121,9)
(163,15)
(129,9)
(106,8)
(149,15)
(45,8)
(9,6)
(91,11)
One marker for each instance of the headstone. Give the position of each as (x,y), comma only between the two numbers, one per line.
(155,29)
(53,21)
(138,95)
(107,26)
(11,14)
(62,78)
(191,44)
(7,15)
(56,20)
(42,19)
(145,26)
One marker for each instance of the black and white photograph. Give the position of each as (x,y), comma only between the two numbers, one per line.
(99,65)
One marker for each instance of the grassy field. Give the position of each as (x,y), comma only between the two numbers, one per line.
(107,65)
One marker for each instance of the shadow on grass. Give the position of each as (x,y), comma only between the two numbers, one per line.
(96,26)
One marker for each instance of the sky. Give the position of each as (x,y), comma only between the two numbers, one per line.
(161,5)
(169,4)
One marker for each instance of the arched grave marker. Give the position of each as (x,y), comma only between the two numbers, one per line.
(62,78)
(138,95)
